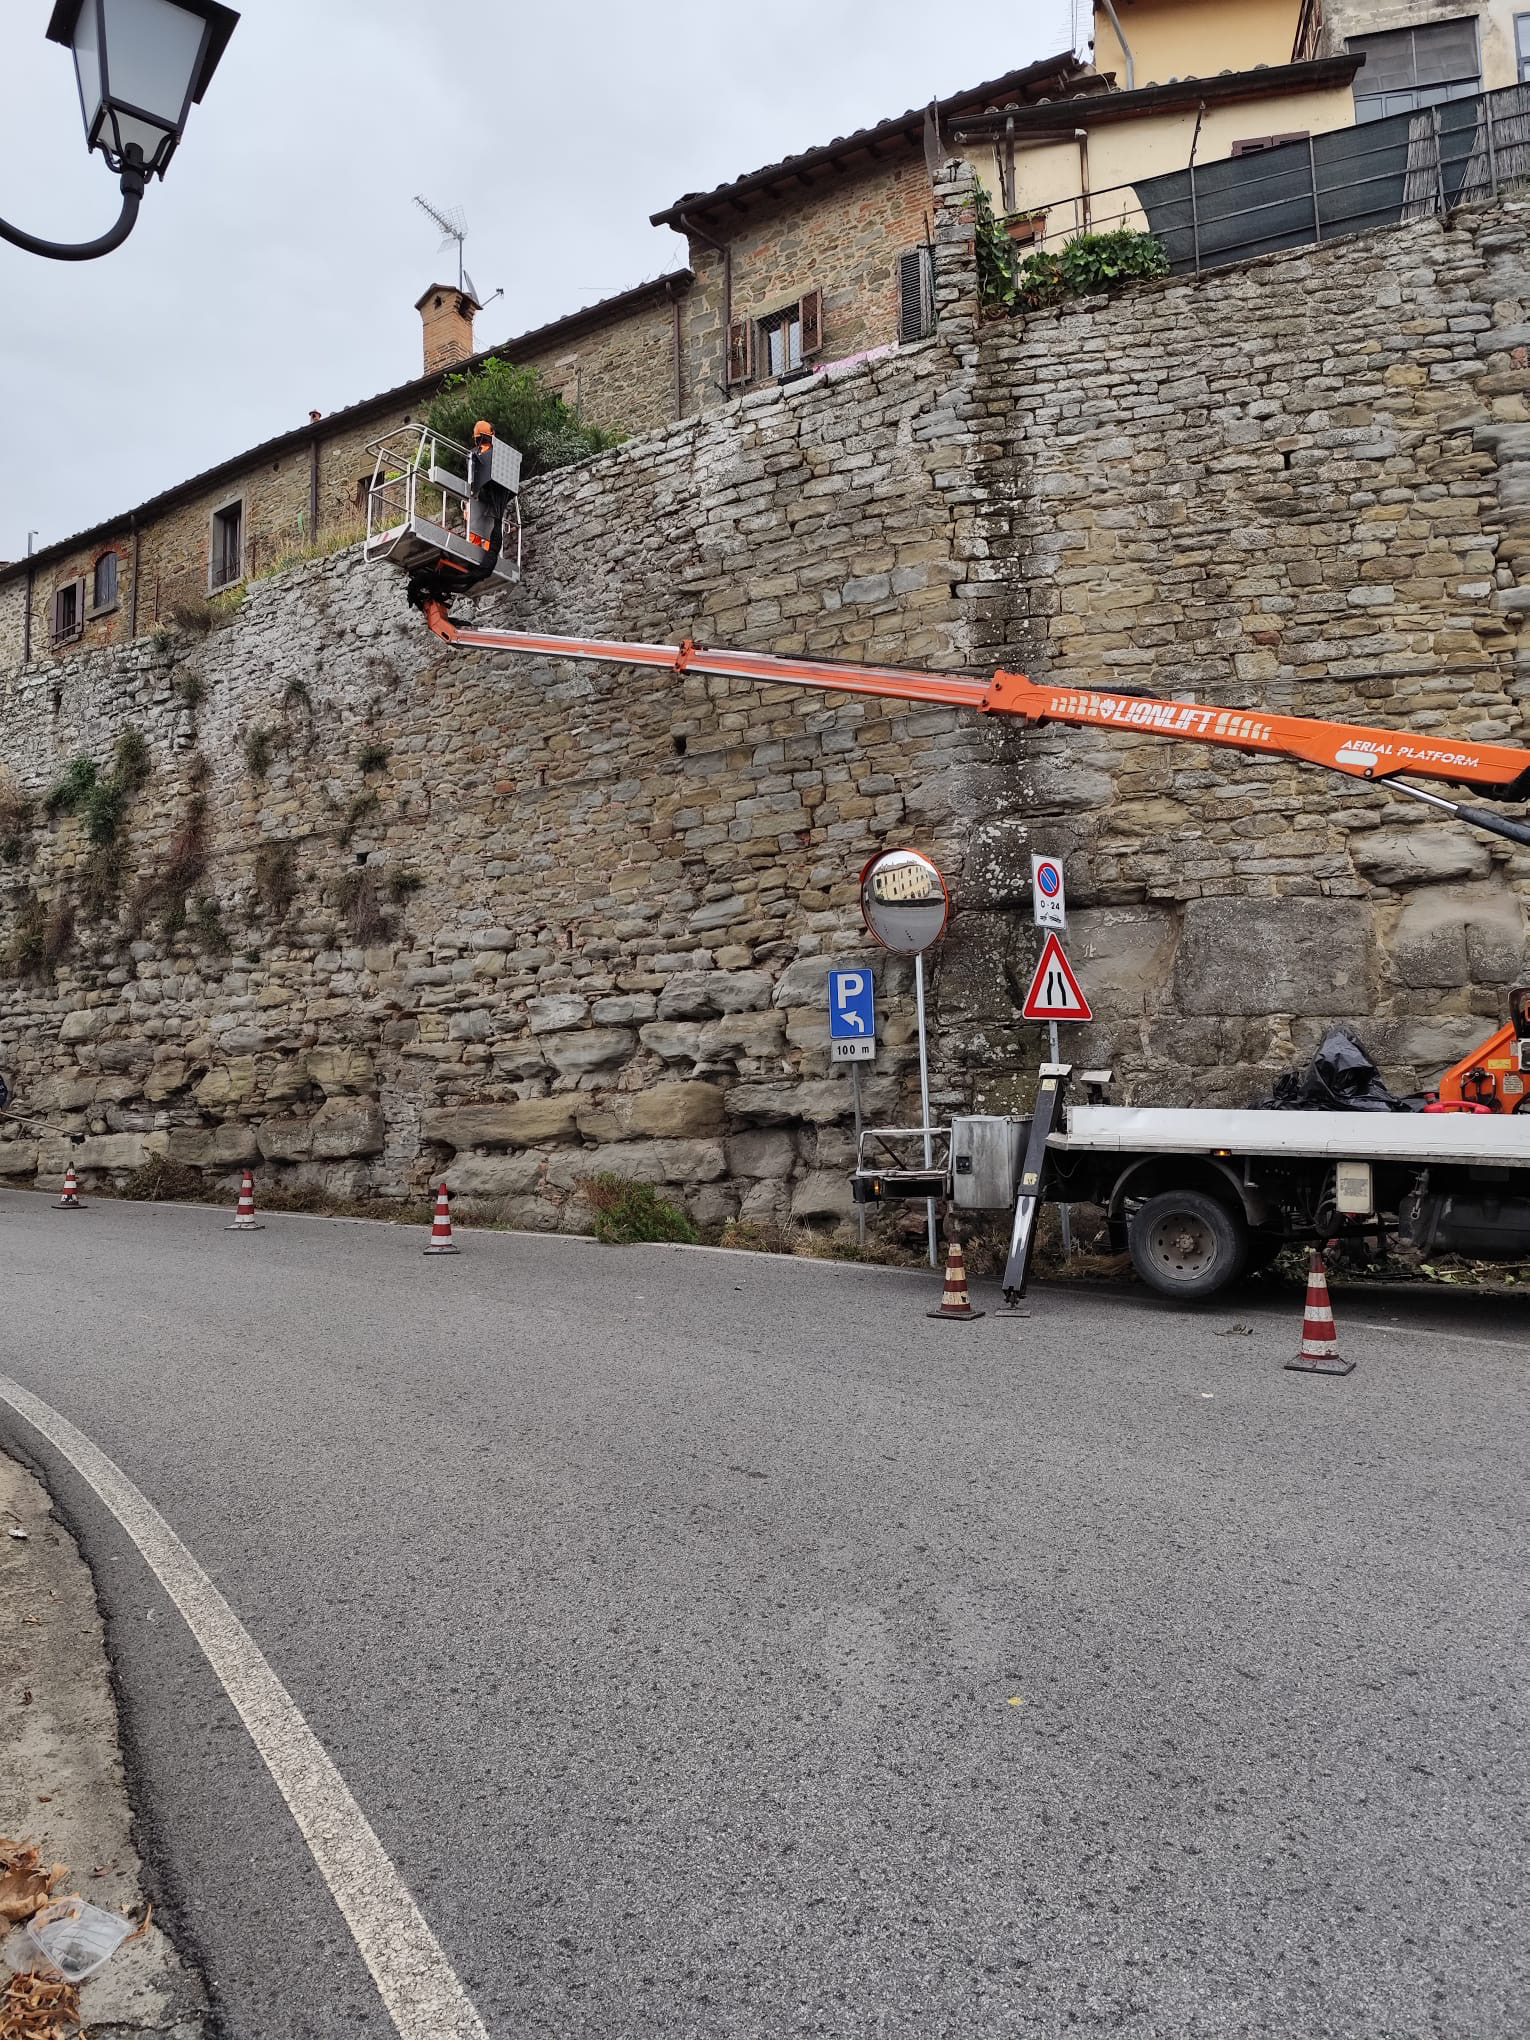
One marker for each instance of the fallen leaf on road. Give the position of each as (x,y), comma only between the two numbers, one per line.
(39,2008)
(24,1884)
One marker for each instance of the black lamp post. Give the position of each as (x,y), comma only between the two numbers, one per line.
(140,64)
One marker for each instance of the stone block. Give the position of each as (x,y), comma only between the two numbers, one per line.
(623,1008)
(346,1127)
(1267,957)
(690,995)
(672,1040)
(678,1110)
(524,1122)
(823,1194)
(1447,937)
(742,1034)
(588,1048)
(230,1084)
(87,1023)
(819,1102)
(495,1175)
(1428,853)
(18,1157)
(125,1055)
(233,1144)
(111,1151)
(559,1010)
(285,1140)
(164,1080)
(739,991)
(339,1071)
(763,1155)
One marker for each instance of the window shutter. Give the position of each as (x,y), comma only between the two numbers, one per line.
(56,621)
(740,350)
(810,312)
(915,316)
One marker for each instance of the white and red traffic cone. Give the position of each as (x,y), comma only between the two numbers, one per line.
(441,1241)
(953,1301)
(1320,1346)
(244,1216)
(70,1201)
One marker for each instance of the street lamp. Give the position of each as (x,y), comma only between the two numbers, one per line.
(140,64)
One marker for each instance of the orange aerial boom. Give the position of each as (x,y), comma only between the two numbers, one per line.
(1356,749)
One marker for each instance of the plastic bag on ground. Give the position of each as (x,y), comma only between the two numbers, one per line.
(78,1939)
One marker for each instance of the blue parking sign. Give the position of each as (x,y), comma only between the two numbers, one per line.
(852,1016)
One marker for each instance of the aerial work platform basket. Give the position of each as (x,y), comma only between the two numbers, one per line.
(420,505)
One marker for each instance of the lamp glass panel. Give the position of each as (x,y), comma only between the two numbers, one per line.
(151,58)
(87,63)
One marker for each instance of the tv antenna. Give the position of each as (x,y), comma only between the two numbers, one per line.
(452,221)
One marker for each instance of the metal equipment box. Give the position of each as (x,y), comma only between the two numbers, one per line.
(985,1161)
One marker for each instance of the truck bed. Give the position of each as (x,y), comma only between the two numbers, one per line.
(1497,1140)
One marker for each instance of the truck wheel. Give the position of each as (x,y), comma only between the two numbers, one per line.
(1187,1245)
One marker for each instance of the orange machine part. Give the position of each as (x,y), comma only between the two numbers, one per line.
(1357,749)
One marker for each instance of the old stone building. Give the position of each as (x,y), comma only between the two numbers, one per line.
(358,908)
(306,490)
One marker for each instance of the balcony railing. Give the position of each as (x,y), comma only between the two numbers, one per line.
(1301,193)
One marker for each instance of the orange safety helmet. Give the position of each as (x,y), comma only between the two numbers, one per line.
(482,430)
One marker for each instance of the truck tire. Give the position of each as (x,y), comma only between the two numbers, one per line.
(1187,1246)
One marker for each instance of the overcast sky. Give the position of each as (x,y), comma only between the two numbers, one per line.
(275,270)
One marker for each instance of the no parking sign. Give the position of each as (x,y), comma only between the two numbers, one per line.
(1048,902)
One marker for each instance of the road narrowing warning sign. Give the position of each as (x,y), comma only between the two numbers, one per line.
(1055,993)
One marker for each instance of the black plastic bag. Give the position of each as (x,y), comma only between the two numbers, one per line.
(1340,1078)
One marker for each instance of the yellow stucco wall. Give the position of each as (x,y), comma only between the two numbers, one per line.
(1048,178)
(1195,38)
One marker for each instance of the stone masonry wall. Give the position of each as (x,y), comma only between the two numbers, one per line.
(531,921)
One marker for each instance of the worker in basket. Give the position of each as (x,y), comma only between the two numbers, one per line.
(487,503)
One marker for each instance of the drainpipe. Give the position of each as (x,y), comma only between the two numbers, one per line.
(719,248)
(313,489)
(672,291)
(1081,136)
(26,621)
(133,585)
(1126,49)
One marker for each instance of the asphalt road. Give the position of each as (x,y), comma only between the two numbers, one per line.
(718,1647)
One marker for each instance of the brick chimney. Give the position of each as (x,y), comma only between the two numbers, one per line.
(446,314)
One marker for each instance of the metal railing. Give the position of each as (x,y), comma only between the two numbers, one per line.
(1302,193)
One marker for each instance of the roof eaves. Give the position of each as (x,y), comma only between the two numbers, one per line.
(346,420)
(1065,67)
(1263,82)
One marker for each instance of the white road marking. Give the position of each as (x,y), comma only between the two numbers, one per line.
(418,1985)
(1521,1346)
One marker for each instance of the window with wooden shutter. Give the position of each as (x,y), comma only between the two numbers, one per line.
(68,619)
(810,317)
(226,559)
(916,312)
(103,584)
(740,350)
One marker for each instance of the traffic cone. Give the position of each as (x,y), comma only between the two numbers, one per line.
(244,1217)
(1320,1349)
(953,1302)
(441,1226)
(70,1201)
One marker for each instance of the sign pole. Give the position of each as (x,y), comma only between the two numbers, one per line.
(924,1096)
(1065,1222)
(860,1209)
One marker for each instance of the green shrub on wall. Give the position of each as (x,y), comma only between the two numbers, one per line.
(524,412)
(1082,267)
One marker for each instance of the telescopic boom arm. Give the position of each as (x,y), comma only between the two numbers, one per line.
(1355,749)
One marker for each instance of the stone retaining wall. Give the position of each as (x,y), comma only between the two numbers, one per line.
(527,922)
